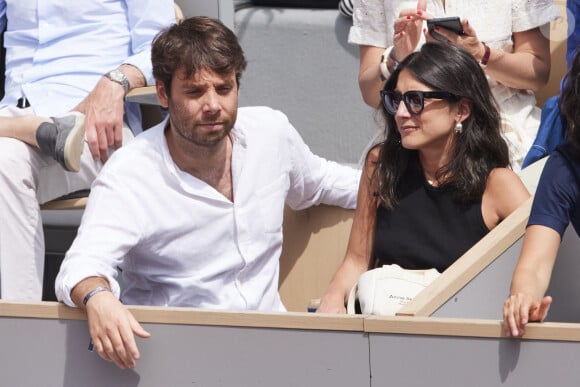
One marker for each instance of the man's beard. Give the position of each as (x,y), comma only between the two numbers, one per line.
(200,140)
(192,136)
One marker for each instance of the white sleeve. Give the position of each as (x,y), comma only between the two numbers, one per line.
(146,19)
(315,180)
(110,227)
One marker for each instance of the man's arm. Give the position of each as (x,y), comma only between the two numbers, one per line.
(315,180)
(111,325)
(103,107)
(110,227)
(103,110)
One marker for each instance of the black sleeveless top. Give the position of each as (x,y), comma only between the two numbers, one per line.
(427,229)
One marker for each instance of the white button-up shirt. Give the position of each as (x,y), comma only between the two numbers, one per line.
(178,241)
(56,50)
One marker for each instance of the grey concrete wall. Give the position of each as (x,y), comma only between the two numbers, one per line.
(53,352)
(47,352)
(222,9)
(299,62)
(483,297)
(417,360)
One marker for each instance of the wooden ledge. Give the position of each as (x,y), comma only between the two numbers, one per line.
(144,95)
(460,327)
(65,204)
(434,326)
(191,316)
(431,326)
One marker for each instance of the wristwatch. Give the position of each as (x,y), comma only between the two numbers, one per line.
(118,76)
(486,55)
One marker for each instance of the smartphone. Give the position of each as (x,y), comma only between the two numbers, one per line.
(452,23)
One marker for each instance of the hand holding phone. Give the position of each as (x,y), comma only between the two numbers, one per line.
(452,23)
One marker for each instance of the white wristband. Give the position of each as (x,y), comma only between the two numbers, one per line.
(385,73)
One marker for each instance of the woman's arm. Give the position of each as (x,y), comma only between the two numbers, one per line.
(369,76)
(526,68)
(531,279)
(504,193)
(359,247)
(402,31)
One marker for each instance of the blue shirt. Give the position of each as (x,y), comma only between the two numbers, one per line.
(557,195)
(574,37)
(57,50)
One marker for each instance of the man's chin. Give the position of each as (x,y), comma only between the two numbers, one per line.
(210,140)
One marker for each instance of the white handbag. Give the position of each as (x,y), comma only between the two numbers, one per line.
(385,290)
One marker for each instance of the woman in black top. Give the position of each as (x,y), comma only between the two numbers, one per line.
(441,179)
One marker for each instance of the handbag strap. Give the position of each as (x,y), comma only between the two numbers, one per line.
(350,308)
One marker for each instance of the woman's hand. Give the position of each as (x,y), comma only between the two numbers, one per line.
(331,304)
(519,309)
(468,41)
(408,28)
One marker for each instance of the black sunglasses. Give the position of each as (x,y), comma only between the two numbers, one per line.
(414,100)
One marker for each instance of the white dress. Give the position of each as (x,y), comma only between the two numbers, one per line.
(494,21)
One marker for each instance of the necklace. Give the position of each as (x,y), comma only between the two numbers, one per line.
(430,180)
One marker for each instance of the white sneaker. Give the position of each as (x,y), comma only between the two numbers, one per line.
(70,141)
(63,140)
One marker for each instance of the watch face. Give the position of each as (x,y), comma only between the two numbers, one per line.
(119,77)
(116,75)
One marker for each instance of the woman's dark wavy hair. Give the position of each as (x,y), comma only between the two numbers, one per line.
(476,151)
(196,44)
(570,102)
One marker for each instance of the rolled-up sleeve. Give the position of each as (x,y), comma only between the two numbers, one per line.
(109,229)
(146,19)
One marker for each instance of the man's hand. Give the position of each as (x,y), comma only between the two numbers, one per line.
(112,328)
(103,110)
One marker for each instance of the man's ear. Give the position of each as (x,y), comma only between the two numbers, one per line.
(464,110)
(161,94)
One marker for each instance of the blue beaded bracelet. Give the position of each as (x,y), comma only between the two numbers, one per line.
(95,291)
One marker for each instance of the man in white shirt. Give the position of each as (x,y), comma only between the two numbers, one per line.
(63,56)
(195,219)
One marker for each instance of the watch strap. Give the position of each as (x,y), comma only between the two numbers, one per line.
(119,77)
(486,55)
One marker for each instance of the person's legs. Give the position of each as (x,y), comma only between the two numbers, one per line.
(21,235)
(28,178)
(58,137)
(22,128)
